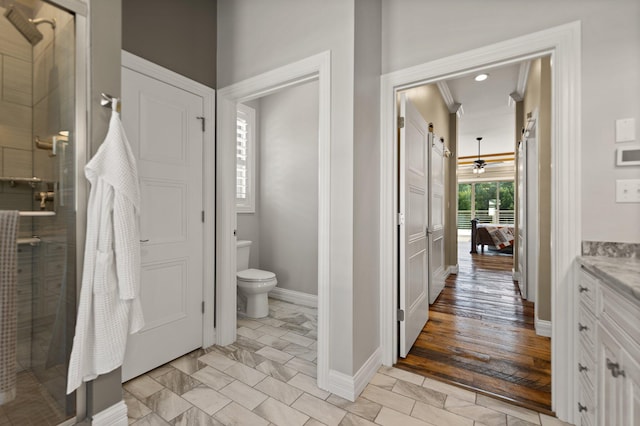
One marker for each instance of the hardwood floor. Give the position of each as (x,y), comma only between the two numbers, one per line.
(480,335)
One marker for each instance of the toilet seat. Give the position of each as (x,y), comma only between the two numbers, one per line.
(255,275)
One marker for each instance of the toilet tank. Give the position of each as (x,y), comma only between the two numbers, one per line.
(243,247)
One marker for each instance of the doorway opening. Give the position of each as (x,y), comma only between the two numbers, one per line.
(563,48)
(310,73)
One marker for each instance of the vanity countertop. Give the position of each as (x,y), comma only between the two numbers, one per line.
(622,272)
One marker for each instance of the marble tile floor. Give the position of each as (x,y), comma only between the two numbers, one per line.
(267,377)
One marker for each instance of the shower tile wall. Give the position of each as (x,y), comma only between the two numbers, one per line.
(16,160)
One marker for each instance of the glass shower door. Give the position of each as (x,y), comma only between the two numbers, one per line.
(37,177)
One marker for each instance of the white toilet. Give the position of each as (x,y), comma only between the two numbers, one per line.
(253,284)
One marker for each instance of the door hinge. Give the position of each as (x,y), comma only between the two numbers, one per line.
(400,315)
(202,216)
(400,122)
(203,306)
(400,219)
(203,119)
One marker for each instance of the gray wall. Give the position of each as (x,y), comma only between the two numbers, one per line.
(178,35)
(260,36)
(366,196)
(104,24)
(288,196)
(610,77)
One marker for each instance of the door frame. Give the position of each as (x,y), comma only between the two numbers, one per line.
(317,67)
(563,43)
(208,95)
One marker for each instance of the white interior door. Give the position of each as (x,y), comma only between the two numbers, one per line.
(522,217)
(413,216)
(436,218)
(161,121)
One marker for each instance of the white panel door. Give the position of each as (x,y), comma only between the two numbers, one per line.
(413,206)
(522,218)
(161,121)
(436,218)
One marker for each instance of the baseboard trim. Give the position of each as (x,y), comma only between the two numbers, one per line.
(116,415)
(453,269)
(296,297)
(367,371)
(515,275)
(350,387)
(543,328)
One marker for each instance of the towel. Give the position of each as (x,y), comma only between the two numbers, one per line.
(8,304)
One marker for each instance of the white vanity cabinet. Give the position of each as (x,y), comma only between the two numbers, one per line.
(586,327)
(608,354)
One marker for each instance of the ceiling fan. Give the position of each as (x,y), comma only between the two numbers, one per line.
(479,164)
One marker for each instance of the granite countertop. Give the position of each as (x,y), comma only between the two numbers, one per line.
(622,272)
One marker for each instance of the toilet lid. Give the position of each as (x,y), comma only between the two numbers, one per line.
(255,275)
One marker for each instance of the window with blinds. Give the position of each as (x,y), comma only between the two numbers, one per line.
(245,129)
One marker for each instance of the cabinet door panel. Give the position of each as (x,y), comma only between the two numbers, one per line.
(609,387)
(631,391)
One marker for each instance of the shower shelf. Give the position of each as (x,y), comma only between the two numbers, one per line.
(32,241)
(37,213)
(13,181)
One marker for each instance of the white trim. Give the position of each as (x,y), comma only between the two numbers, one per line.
(453,106)
(515,275)
(317,67)
(563,43)
(523,76)
(296,297)
(453,269)
(349,387)
(543,328)
(249,205)
(208,96)
(116,415)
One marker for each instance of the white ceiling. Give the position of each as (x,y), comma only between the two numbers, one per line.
(486,111)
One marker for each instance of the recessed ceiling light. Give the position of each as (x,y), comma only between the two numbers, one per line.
(481,77)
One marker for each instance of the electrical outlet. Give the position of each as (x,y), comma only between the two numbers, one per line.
(628,191)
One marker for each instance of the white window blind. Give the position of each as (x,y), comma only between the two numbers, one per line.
(245,129)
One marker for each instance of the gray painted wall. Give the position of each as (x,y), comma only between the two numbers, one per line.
(178,35)
(260,36)
(288,182)
(610,78)
(104,24)
(366,197)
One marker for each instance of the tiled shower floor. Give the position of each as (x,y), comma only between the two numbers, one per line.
(32,406)
(268,377)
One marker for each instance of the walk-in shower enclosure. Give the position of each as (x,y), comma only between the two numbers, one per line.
(38,178)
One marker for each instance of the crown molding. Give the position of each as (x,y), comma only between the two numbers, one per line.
(521,86)
(453,106)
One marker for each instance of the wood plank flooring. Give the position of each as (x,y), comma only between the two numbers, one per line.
(480,335)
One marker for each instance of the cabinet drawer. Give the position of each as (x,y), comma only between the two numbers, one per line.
(586,329)
(617,309)
(586,406)
(586,367)
(587,287)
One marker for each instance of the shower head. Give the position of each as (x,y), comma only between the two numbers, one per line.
(26,26)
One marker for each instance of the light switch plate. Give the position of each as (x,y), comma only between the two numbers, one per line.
(625,130)
(628,191)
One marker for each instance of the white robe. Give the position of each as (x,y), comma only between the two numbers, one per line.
(109,306)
